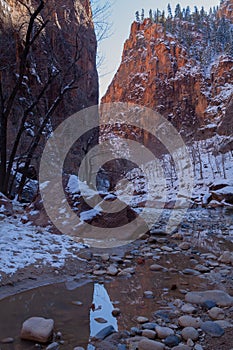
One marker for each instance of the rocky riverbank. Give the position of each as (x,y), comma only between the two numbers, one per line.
(167,292)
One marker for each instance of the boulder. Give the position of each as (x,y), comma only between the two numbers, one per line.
(37,329)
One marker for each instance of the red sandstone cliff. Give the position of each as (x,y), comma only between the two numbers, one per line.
(65,50)
(157,71)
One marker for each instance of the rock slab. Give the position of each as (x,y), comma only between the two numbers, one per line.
(37,329)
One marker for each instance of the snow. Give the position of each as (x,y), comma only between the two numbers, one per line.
(89,214)
(23,244)
(73,184)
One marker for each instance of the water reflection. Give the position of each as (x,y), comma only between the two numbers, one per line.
(102,310)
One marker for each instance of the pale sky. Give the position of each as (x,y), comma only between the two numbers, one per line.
(122,15)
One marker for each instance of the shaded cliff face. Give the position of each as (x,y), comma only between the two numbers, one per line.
(65,51)
(158,72)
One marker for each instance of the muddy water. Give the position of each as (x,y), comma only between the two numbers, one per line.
(71,308)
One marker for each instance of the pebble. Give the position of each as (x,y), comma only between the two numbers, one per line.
(78,348)
(148,294)
(149,325)
(189,321)
(167,249)
(220,297)
(191,272)
(208,304)
(172,340)
(53,346)
(201,268)
(181,347)
(141,319)
(198,347)
(105,257)
(190,333)
(7,340)
(185,246)
(216,313)
(188,309)
(99,272)
(226,258)
(157,267)
(104,333)
(112,270)
(164,332)
(149,334)
(135,331)
(212,328)
(116,312)
(224,324)
(37,329)
(147,344)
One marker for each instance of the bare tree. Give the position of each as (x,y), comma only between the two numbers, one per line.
(32,107)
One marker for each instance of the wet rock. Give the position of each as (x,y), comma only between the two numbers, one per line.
(189,321)
(149,334)
(212,328)
(112,270)
(189,333)
(172,340)
(220,297)
(104,333)
(188,309)
(216,313)
(141,319)
(53,346)
(116,312)
(7,340)
(37,329)
(164,332)
(147,344)
(181,347)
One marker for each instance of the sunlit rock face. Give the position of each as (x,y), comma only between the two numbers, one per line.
(158,71)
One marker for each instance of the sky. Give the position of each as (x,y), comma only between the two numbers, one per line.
(121,16)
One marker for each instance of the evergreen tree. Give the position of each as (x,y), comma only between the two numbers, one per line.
(137,16)
(151,15)
(142,15)
(178,13)
(169,11)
